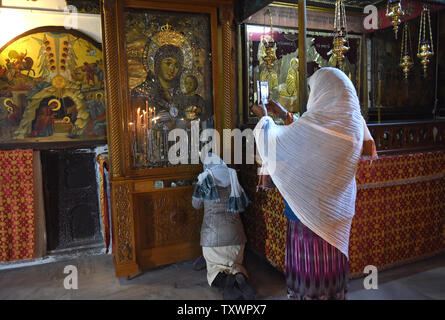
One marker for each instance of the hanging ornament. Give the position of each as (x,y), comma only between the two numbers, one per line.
(269,46)
(406,62)
(425,49)
(394,12)
(340,43)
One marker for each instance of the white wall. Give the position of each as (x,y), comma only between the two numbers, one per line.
(46,4)
(15,21)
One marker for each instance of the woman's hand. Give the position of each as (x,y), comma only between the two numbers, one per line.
(277,109)
(259,110)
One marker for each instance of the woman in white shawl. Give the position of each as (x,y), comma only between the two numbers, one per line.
(312,161)
(222,234)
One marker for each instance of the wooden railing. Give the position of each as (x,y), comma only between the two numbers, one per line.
(403,137)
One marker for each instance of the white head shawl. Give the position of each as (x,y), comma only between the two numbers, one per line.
(315,158)
(216,173)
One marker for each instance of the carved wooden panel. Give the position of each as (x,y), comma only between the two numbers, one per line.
(124,223)
(408,137)
(167,218)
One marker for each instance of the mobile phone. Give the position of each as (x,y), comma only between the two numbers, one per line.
(263,92)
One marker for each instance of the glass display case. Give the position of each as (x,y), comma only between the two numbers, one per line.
(169,58)
(167,81)
(271,53)
(283,75)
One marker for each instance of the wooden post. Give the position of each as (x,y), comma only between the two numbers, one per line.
(302,66)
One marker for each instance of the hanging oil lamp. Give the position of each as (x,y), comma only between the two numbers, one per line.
(406,62)
(394,12)
(340,42)
(269,46)
(425,49)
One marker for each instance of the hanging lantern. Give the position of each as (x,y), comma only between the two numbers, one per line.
(340,43)
(406,62)
(394,12)
(269,46)
(425,49)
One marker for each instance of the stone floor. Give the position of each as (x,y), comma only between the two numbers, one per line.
(96,280)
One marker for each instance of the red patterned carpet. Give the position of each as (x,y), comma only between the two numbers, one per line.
(16,205)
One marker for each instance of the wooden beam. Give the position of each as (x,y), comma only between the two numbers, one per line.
(302,66)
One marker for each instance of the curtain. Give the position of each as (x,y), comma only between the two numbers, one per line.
(104,198)
(39,209)
(17,228)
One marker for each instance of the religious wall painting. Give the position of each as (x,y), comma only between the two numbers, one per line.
(283,76)
(169,78)
(51,88)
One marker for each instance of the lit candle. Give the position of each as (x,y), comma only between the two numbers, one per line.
(144,128)
(132,142)
(131,129)
(138,124)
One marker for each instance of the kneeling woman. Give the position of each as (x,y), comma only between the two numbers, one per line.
(222,234)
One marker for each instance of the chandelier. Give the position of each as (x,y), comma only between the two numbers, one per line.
(394,12)
(425,49)
(406,62)
(340,42)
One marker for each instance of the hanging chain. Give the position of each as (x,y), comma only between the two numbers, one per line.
(431,34)
(409,39)
(420,31)
(271,28)
(345,24)
(424,25)
(402,49)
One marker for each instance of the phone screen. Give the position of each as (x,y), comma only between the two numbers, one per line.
(263,92)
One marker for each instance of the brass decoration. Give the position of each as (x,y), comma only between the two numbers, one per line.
(292,79)
(270,46)
(168,36)
(57,101)
(406,62)
(394,12)
(269,57)
(425,49)
(340,42)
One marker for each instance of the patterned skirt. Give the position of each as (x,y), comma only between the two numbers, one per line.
(314,268)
